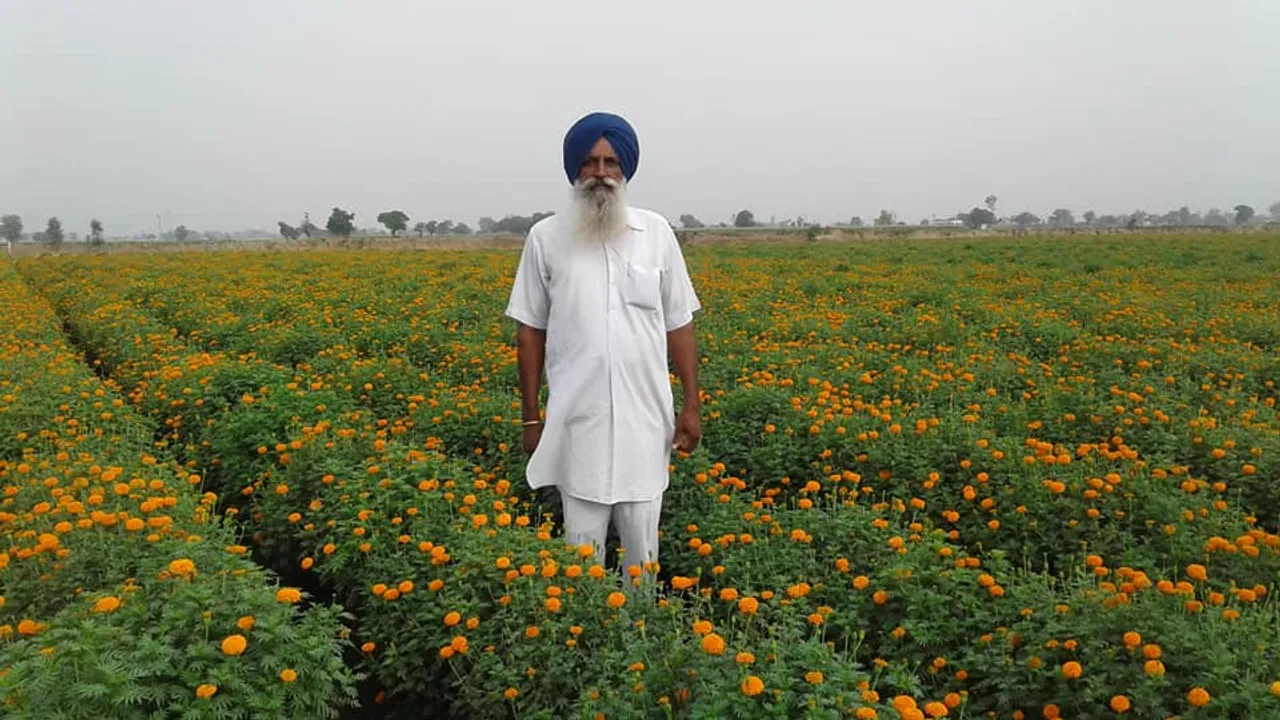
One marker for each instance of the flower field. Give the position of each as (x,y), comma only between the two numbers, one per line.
(1004,478)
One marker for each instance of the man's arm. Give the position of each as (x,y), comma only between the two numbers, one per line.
(531,349)
(683,348)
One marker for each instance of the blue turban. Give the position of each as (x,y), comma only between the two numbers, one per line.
(586,132)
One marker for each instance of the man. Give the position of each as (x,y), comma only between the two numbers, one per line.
(603,301)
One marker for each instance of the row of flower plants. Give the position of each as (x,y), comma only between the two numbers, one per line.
(122,593)
(927,488)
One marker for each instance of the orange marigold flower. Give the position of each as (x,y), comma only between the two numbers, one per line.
(616,600)
(234,644)
(288,675)
(107,604)
(713,644)
(1198,697)
(1071,670)
(1120,703)
(206,691)
(288,595)
(751,686)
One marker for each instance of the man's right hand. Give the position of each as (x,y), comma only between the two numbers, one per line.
(532,434)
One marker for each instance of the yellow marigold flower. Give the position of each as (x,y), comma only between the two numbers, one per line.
(713,644)
(182,567)
(107,604)
(206,691)
(288,595)
(234,644)
(246,623)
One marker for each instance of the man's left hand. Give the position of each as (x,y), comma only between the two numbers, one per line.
(688,430)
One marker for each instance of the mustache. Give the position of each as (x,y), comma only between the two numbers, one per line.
(593,183)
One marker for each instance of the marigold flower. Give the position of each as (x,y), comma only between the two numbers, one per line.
(751,686)
(206,691)
(713,644)
(288,675)
(288,595)
(107,604)
(234,644)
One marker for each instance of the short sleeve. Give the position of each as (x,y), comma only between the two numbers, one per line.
(679,299)
(529,302)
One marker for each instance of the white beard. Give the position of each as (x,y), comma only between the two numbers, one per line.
(599,210)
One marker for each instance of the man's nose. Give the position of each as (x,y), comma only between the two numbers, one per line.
(598,168)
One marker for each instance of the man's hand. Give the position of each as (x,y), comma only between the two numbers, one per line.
(532,434)
(688,429)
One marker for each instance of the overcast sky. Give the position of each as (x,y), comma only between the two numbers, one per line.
(232,114)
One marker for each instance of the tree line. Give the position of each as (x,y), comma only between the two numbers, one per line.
(341,223)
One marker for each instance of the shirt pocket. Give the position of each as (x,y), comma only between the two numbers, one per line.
(642,287)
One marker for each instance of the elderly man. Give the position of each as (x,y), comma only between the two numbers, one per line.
(603,302)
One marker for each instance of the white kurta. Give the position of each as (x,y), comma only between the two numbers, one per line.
(606,309)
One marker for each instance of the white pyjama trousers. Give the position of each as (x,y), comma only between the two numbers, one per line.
(587,523)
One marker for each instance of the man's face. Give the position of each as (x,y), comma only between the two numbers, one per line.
(601,164)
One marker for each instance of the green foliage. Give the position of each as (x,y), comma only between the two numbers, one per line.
(938,471)
(94,622)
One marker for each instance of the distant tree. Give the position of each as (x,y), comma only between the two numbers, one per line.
(744,219)
(53,231)
(461,229)
(1244,214)
(341,222)
(11,228)
(431,226)
(444,227)
(210,235)
(1136,218)
(420,228)
(990,202)
(1090,217)
(394,220)
(1026,219)
(487,224)
(884,218)
(1062,217)
(181,233)
(306,227)
(1216,218)
(978,217)
(1109,220)
(287,231)
(1184,216)
(1275,211)
(855,221)
(95,232)
(690,222)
